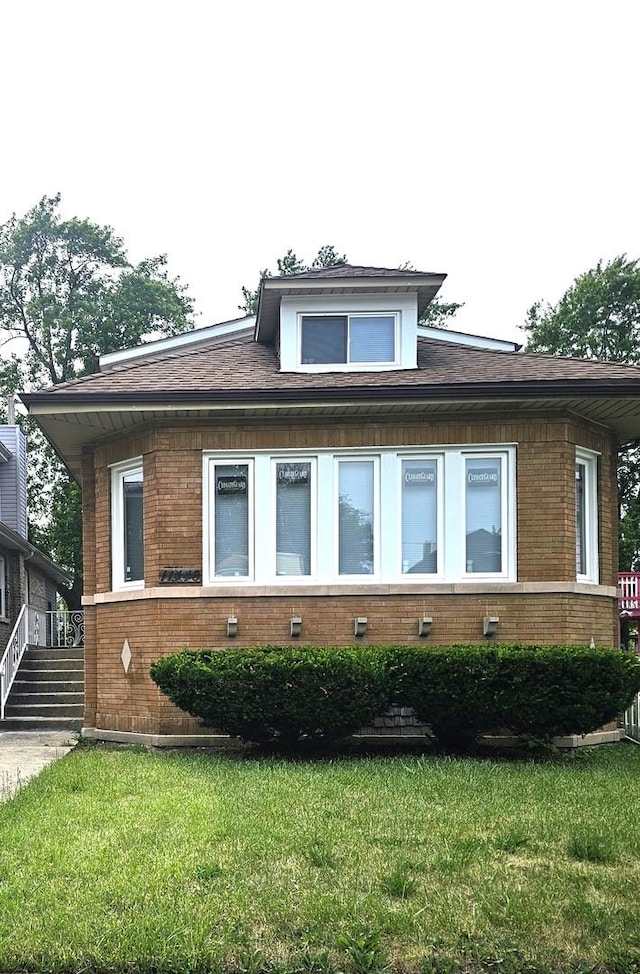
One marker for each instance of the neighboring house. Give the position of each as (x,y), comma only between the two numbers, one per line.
(334,461)
(26,574)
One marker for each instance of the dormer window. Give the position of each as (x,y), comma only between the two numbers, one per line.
(347,339)
(345,319)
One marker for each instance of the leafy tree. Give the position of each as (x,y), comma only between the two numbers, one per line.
(68,294)
(599,318)
(438,312)
(290,263)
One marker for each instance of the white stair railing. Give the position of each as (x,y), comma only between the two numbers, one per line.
(37,627)
(18,641)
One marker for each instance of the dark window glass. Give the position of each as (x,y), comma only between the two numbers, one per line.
(581,521)
(324,340)
(231,527)
(133,527)
(293,518)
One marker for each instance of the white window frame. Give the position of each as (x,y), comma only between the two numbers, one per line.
(506,529)
(438,459)
(273,552)
(118,472)
(349,366)
(357,458)
(589,461)
(387,567)
(3,587)
(229,460)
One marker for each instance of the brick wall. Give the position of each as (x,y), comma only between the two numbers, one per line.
(173,537)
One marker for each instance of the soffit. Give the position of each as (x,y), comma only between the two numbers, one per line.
(73,431)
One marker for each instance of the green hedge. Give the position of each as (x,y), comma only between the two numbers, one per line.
(537,691)
(279,693)
(288,693)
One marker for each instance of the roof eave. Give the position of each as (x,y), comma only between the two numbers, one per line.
(540,388)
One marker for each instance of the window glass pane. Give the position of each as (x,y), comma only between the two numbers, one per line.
(483,515)
(371,339)
(293,518)
(133,526)
(355,517)
(419,516)
(581,521)
(231,521)
(324,339)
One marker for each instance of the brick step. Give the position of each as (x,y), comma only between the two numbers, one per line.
(45,710)
(40,724)
(57,663)
(19,699)
(62,683)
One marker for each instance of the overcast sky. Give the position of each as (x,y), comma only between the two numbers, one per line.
(497,141)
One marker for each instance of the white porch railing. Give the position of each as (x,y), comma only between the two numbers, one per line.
(35,627)
(632,721)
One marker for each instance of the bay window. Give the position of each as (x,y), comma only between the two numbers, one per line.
(294,518)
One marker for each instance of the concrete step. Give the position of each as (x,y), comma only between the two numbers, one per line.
(44,710)
(54,652)
(56,682)
(41,723)
(18,699)
(57,663)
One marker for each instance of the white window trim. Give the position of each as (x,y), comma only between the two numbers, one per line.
(387,530)
(589,460)
(349,366)
(3,587)
(439,459)
(357,458)
(272,553)
(118,472)
(506,528)
(254,525)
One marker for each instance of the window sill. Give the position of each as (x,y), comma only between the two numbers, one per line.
(252,591)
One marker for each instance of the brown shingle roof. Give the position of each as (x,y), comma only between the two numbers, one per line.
(349,270)
(241,367)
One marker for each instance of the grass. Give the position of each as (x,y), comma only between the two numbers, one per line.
(116,860)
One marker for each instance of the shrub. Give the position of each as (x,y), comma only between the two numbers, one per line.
(538,691)
(285,694)
(280,694)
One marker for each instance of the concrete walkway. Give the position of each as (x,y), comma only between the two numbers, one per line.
(23,754)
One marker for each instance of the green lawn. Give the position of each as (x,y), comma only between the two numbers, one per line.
(119,860)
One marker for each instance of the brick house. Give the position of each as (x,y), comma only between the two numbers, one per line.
(335,462)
